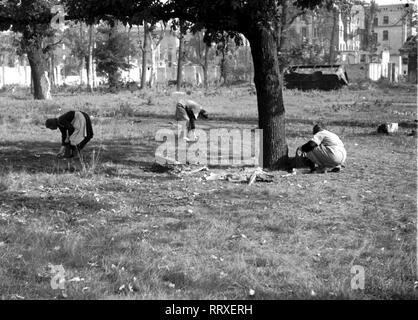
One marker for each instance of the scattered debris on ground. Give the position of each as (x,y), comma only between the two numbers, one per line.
(237,175)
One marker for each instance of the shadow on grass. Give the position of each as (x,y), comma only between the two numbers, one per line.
(40,157)
(41,205)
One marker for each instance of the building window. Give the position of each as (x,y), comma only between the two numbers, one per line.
(363,58)
(315,32)
(385,35)
(385,20)
(376,21)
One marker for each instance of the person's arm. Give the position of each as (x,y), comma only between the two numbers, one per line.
(192,123)
(309,146)
(192,119)
(64,136)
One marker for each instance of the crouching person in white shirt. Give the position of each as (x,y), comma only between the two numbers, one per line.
(325,151)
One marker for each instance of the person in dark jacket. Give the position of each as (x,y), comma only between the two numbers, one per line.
(76,131)
(188,111)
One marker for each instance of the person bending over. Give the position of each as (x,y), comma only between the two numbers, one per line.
(187,112)
(76,131)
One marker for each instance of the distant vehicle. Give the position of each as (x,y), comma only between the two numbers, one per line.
(319,77)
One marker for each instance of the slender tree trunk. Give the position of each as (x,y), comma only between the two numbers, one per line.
(371,40)
(334,36)
(271,112)
(180,59)
(52,69)
(114,74)
(82,62)
(37,65)
(205,68)
(129,55)
(222,66)
(3,65)
(90,70)
(145,52)
(154,65)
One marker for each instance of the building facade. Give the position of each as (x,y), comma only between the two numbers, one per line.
(392,26)
(359,34)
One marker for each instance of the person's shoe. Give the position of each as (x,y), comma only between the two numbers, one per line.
(336,169)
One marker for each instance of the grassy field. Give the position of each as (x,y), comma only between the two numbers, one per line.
(122,229)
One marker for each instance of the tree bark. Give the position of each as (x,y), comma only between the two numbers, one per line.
(180,59)
(224,75)
(271,112)
(37,66)
(145,52)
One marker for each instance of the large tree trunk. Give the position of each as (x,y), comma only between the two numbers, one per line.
(268,83)
(37,64)
(180,59)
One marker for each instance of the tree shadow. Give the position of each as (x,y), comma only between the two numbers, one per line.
(40,156)
(42,205)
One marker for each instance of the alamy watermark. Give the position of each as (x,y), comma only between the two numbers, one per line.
(217,147)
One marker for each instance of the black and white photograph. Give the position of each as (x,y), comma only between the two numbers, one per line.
(208,155)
